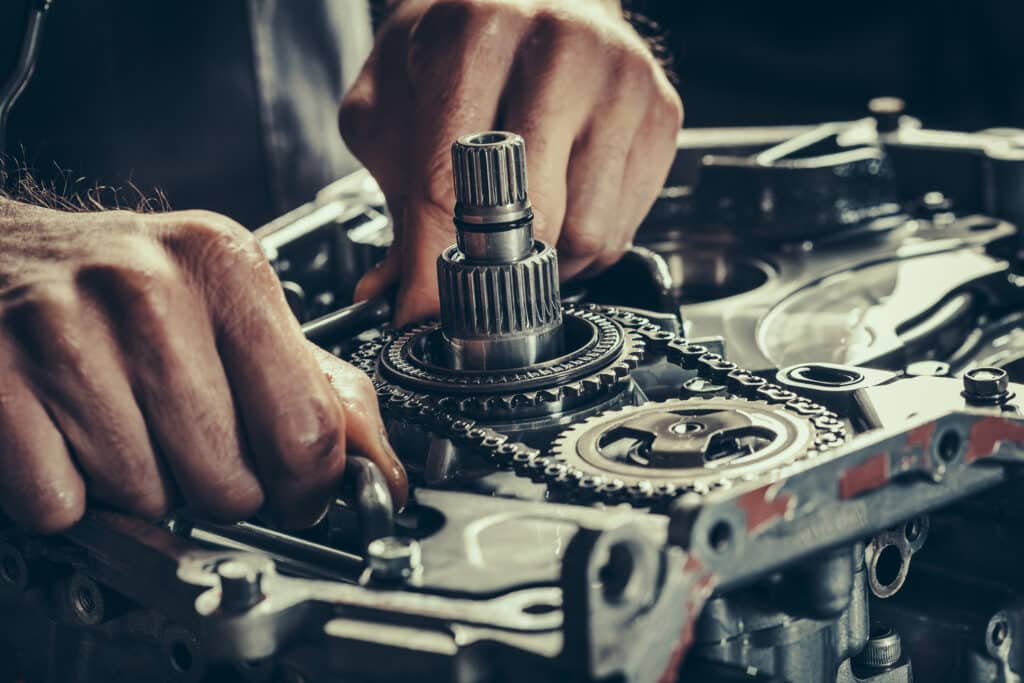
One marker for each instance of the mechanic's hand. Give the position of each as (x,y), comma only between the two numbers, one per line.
(150,361)
(596,110)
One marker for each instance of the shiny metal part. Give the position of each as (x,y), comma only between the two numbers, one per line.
(883,648)
(987,385)
(490,178)
(393,558)
(500,303)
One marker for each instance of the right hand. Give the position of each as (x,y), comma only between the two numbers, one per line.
(150,361)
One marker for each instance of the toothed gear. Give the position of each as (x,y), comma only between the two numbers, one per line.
(680,445)
(601,361)
(757,401)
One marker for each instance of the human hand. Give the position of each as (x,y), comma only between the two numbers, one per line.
(150,361)
(597,112)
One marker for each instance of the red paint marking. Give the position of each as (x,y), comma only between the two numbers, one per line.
(869,475)
(921,436)
(701,590)
(761,509)
(986,434)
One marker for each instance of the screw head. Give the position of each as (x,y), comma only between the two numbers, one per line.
(239,585)
(883,648)
(986,385)
(393,558)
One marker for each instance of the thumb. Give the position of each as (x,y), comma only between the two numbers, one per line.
(429,231)
(378,279)
(364,428)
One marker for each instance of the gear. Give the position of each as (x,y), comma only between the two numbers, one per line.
(601,353)
(680,445)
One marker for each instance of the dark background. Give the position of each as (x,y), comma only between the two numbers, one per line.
(959,65)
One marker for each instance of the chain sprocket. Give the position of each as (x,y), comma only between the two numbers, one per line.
(693,444)
(443,419)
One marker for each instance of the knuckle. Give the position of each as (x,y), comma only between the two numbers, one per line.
(442,17)
(51,511)
(211,246)
(670,109)
(309,445)
(577,242)
(548,27)
(355,118)
(42,318)
(231,498)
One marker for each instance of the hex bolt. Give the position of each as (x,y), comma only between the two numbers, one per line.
(883,648)
(393,558)
(986,385)
(887,112)
(239,586)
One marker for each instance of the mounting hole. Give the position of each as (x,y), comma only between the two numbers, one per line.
(181,656)
(720,536)
(10,568)
(539,608)
(949,445)
(616,572)
(888,566)
(984,226)
(912,529)
(84,600)
(1000,632)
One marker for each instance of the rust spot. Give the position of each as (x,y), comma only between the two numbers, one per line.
(868,475)
(763,505)
(921,436)
(986,434)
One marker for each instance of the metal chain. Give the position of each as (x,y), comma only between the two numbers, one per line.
(425,411)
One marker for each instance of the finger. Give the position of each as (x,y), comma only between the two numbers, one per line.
(595,227)
(69,355)
(651,154)
(364,428)
(535,107)
(40,490)
(455,97)
(293,421)
(179,381)
(380,278)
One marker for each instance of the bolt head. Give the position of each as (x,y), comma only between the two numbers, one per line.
(986,384)
(393,558)
(883,648)
(239,584)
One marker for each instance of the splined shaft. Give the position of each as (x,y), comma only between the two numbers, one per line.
(500,305)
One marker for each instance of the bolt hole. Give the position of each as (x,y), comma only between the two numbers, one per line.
(984,226)
(1000,632)
(85,600)
(616,572)
(888,566)
(539,608)
(720,536)
(912,530)
(10,569)
(181,656)
(949,445)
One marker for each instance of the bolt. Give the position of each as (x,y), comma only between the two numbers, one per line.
(883,648)
(239,586)
(392,558)
(986,385)
(886,112)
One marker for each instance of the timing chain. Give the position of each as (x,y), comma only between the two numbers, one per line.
(427,412)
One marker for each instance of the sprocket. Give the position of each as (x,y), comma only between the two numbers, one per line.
(664,448)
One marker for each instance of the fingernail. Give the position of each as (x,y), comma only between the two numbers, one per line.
(382,432)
